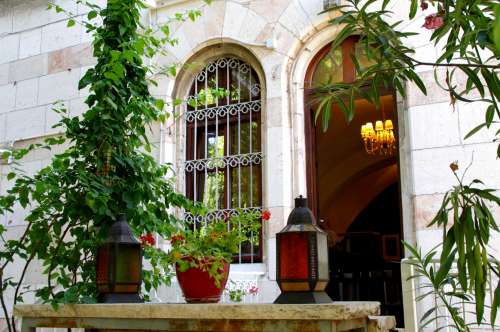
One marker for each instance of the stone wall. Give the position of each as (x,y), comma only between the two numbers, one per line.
(41,61)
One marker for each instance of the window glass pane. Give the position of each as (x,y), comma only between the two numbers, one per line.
(245,192)
(212,189)
(361,57)
(247,129)
(215,145)
(329,69)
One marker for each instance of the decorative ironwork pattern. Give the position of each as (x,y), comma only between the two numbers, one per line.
(218,214)
(231,161)
(223,152)
(222,111)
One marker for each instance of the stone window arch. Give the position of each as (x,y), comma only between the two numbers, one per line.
(223,146)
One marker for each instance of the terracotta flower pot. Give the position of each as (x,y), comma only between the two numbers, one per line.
(197,285)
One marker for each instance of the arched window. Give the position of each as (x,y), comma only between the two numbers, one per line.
(223,143)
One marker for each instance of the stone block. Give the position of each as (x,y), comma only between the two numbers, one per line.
(85,91)
(296,20)
(433,125)
(7,98)
(277,160)
(425,208)
(25,123)
(471,115)
(164,83)
(275,114)
(52,117)
(425,53)
(70,57)
(424,35)
(270,10)
(30,43)
(213,19)
(66,83)
(5,17)
(313,10)
(428,239)
(233,19)
(284,40)
(77,106)
(4,73)
(10,48)
(183,49)
(34,13)
(84,9)
(251,27)
(279,217)
(31,67)
(435,94)
(432,174)
(2,133)
(27,93)
(272,65)
(57,35)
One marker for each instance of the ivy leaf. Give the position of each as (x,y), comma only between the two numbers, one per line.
(71,22)
(92,14)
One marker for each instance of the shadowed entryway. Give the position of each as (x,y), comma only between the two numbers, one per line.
(355,195)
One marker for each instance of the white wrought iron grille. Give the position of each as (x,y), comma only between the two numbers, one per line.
(223,149)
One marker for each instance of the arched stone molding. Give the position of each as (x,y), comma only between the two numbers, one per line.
(296,67)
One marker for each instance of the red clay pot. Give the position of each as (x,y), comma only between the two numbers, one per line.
(197,285)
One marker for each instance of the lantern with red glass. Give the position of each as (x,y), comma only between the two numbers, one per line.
(119,265)
(302,269)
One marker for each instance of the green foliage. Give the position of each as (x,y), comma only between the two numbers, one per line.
(468,32)
(465,244)
(207,246)
(103,172)
(440,285)
(496,29)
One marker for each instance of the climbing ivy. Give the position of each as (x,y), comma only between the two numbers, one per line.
(106,170)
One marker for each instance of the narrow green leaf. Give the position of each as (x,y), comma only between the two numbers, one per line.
(413,8)
(475,130)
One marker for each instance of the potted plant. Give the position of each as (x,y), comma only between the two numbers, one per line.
(201,253)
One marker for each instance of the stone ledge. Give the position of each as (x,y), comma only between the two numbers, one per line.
(333,312)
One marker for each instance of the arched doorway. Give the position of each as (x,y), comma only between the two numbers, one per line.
(354,195)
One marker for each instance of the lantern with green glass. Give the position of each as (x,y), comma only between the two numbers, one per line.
(119,265)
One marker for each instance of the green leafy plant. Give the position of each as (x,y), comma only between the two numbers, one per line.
(465,242)
(236,293)
(106,170)
(207,246)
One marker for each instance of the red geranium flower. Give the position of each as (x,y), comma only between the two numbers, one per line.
(433,21)
(147,239)
(179,238)
(266,215)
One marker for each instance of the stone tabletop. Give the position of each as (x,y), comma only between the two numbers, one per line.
(333,311)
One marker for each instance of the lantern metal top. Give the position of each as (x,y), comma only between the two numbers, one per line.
(120,232)
(301,214)
(301,219)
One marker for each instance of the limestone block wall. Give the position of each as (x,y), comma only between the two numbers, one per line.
(41,61)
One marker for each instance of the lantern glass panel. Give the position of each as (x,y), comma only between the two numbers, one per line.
(102,269)
(128,268)
(294,258)
(323,273)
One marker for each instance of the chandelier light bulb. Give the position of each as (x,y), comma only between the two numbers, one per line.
(381,140)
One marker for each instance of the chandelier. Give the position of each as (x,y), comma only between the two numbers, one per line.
(379,140)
